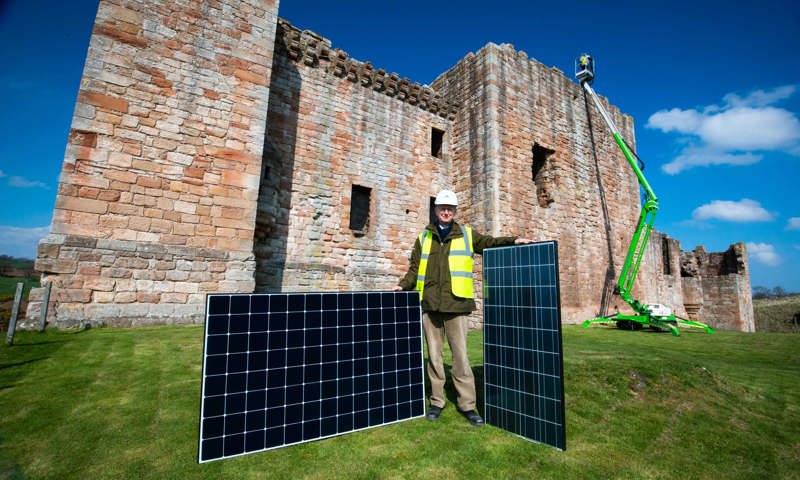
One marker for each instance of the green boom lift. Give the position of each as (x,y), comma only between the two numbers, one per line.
(655,316)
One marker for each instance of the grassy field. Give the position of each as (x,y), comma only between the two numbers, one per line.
(124,403)
(13,262)
(8,285)
(8,288)
(8,282)
(777,314)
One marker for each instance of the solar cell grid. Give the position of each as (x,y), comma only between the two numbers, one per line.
(523,365)
(281,369)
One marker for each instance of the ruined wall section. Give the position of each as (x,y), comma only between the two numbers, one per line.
(716,288)
(157,198)
(335,123)
(662,283)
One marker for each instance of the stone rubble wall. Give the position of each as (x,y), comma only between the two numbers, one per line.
(127,283)
(717,287)
(664,284)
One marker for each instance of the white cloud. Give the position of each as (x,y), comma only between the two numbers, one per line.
(695,157)
(766,128)
(21,242)
(760,98)
(745,210)
(730,133)
(793,223)
(22,182)
(682,121)
(763,253)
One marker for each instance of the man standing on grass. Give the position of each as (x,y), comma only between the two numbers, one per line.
(441,269)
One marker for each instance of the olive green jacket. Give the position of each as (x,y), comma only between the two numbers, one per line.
(438,295)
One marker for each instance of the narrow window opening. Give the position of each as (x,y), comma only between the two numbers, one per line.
(359,209)
(431,211)
(437,138)
(541,174)
(665,255)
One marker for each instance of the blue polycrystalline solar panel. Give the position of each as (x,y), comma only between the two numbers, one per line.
(523,361)
(281,369)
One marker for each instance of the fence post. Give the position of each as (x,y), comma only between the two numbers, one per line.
(12,323)
(45,303)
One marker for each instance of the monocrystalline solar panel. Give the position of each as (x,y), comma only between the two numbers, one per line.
(523,361)
(286,368)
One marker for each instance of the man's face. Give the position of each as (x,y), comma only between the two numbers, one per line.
(445,214)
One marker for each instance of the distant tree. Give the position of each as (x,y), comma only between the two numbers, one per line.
(760,292)
(779,292)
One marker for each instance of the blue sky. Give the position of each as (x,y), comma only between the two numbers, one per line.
(713,86)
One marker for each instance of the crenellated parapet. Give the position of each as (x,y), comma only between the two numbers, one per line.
(312,50)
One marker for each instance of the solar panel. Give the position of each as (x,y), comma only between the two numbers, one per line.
(523,364)
(287,368)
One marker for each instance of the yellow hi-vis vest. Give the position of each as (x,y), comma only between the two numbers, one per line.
(460,262)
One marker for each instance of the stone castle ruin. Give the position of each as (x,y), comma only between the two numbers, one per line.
(217,148)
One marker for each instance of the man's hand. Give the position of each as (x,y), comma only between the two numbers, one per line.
(521,241)
(397,288)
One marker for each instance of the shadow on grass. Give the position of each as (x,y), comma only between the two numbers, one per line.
(18,345)
(24,362)
(450,389)
(29,349)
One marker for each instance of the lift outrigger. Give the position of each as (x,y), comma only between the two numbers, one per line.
(655,316)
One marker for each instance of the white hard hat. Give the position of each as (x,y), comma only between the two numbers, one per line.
(446,197)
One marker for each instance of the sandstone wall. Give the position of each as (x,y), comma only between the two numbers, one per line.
(534,165)
(163,162)
(717,287)
(216,148)
(662,282)
(334,123)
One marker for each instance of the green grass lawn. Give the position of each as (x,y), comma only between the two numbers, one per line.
(8,285)
(125,403)
(8,289)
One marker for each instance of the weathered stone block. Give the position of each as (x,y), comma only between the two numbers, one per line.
(173,297)
(99,284)
(50,265)
(70,314)
(125,297)
(103,297)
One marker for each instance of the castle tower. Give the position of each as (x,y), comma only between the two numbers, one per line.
(217,148)
(158,193)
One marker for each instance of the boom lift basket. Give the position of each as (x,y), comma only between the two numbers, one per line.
(584,69)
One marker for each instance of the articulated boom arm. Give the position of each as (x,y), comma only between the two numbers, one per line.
(646,218)
(656,316)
